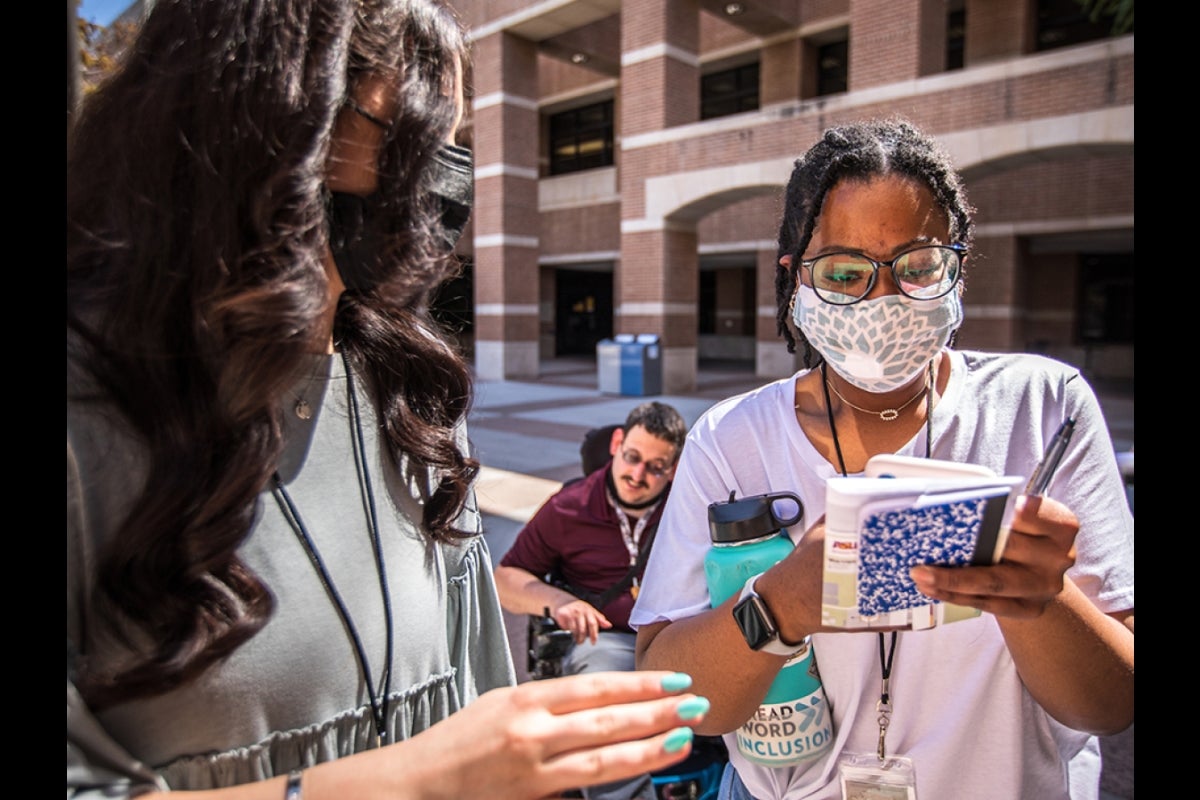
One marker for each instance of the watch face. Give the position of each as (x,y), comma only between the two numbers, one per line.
(755,621)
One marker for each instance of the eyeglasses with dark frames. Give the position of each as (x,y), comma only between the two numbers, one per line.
(367,115)
(922,273)
(655,468)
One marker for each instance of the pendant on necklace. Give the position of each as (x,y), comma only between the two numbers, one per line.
(303,409)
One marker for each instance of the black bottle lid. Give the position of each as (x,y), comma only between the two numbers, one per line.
(732,521)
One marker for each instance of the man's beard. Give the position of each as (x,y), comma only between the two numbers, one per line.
(612,487)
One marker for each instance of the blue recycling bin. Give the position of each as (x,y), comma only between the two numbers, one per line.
(630,364)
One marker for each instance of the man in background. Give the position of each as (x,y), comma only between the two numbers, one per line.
(582,554)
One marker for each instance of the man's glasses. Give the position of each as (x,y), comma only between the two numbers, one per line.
(655,468)
(923,273)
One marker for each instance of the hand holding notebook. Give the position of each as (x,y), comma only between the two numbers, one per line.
(878,527)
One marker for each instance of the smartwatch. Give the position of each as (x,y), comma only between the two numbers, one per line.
(758,624)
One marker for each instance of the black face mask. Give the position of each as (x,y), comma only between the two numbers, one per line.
(355,236)
(452,176)
(353,240)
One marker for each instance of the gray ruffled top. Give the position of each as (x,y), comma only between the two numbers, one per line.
(293,695)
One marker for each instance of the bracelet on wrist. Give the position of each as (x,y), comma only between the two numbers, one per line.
(292,790)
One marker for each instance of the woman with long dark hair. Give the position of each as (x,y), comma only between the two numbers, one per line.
(275,558)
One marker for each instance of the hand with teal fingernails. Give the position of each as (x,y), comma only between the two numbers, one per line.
(542,737)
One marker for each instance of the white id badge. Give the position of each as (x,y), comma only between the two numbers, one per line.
(865,777)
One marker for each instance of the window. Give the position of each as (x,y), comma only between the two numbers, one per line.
(956,26)
(832,69)
(729,92)
(1061,23)
(1106,298)
(581,138)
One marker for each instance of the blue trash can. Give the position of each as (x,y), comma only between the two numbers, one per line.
(630,365)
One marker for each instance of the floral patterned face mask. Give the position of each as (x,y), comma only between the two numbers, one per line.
(877,345)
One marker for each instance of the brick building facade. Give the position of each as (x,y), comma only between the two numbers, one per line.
(631,158)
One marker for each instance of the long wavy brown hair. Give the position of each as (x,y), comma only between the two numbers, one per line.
(196,226)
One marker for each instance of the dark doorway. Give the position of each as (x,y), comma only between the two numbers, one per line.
(1106,298)
(583,311)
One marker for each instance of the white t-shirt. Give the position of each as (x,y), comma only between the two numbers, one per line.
(960,712)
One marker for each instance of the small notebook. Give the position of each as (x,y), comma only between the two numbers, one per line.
(945,529)
(903,512)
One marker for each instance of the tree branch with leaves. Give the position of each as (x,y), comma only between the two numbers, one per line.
(1121,12)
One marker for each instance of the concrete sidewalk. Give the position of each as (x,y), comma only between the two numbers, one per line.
(527,435)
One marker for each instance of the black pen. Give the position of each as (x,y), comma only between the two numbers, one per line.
(1041,476)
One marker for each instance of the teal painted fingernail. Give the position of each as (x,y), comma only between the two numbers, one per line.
(677,740)
(677,682)
(692,707)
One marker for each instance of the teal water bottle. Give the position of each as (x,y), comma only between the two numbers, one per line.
(794,722)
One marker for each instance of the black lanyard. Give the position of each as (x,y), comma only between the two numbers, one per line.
(884,706)
(292,514)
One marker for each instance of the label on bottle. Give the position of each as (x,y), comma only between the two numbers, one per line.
(781,734)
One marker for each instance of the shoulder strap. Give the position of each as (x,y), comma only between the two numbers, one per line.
(623,584)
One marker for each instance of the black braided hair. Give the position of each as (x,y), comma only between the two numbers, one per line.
(859,151)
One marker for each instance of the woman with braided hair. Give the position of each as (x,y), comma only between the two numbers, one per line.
(276,578)
(1005,705)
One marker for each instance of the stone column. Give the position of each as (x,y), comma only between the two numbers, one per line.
(993,294)
(656,285)
(895,40)
(781,72)
(771,358)
(996,31)
(506,207)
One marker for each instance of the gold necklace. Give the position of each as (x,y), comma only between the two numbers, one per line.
(888,414)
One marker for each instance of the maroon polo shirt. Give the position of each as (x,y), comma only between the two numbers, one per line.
(577,534)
